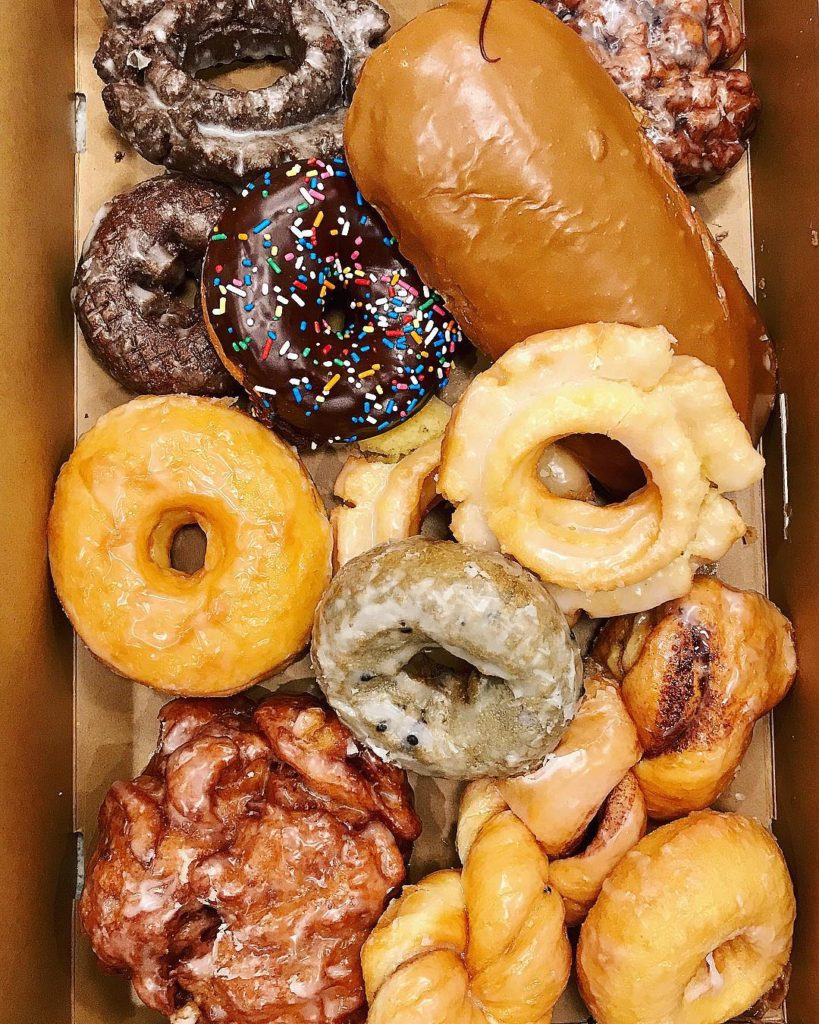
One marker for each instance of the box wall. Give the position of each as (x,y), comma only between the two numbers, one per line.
(36,410)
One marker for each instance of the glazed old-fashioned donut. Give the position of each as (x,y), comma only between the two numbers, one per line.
(674,415)
(696,674)
(249,826)
(150,56)
(583,805)
(146,470)
(693,926)
(387,609)
(139,252)
(309,303)
(481,946)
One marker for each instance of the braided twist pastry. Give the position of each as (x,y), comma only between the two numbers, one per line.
(483,946)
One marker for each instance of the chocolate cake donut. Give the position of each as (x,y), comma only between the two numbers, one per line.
(667,56)
(313,309)
(139,252)
(150,57)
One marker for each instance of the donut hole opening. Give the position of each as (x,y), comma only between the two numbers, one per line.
(334,316)
(247,75)
(614,473)
(438,667)
(241,60)
(187,291)
(189,546)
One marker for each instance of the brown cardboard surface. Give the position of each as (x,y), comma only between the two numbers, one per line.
(116,720)
(36,377)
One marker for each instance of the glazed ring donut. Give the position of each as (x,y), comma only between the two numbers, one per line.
(672,413)
(693,926)
(137,254)
(583,805)
(385,609)
(153,97)
(144,471)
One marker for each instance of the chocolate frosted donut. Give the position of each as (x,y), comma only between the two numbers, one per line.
(138,253)
(150,56)
(333,335)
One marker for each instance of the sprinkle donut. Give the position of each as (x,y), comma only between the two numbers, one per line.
(150,56)
(313,310)
(376,631)
(138,253)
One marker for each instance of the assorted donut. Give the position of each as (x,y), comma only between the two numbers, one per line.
(498,568)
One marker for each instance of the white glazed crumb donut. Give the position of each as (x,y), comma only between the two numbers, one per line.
(385,609)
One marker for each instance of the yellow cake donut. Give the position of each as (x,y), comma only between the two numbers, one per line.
(144,471)
(693,926)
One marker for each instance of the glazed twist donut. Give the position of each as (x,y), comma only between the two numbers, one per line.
(693,926)
(481,946)
(586,777)
(672,412)
(696,674)
(149,58)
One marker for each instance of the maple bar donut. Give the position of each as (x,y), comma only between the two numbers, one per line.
(146,470)
(671,412)
(250,825)
(693,926)
(388,608)
(149,61)
(139,252)
(312,308)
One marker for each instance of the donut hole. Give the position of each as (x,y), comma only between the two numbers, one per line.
(247,75)
(615,473)
(189,546)
(187,291)
(240,59)
(335,316)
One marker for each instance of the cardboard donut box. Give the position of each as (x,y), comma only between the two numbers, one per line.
(68,727)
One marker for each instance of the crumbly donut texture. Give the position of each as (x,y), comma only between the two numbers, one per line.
(667,56)
(143,472)
(150,58)
(333,335)
(385,609)
(138,253)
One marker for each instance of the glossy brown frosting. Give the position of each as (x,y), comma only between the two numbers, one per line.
(240,873)
(525,192)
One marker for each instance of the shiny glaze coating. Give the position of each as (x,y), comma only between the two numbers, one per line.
(527,195)
(692,926)
(671,412)
(149,58)
(696,674)
(298,251)
(136,256)
(583,805)
(239,874)
(143,472)
(663,54)
(387,608)
(480,946)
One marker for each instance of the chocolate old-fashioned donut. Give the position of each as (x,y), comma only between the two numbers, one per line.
(331,332)
(139,250)
(388,608)
(150,56)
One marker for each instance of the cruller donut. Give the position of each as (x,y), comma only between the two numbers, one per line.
(154,98)
(134,480)
(141,247)
(674,415)
(693,926)
(387,608)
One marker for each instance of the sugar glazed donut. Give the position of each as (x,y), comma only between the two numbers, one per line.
(139,251)
(695,675)
(150,56)
(383,613)
(674,415)
(249,826)
(693,926)
(146,470)
(311,306)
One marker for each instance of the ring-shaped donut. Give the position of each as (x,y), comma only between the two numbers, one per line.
(671,412)
(155,99)
(387,608)
(693,926)
(144,471)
